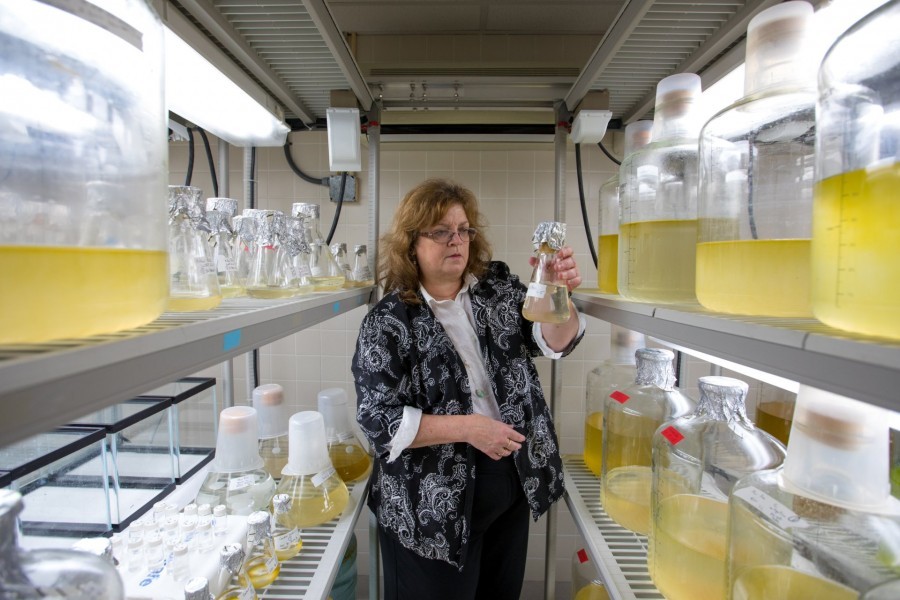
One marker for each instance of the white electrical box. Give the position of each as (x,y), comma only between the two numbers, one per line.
(344,153)
(590,126)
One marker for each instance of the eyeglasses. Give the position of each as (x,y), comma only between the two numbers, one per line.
(443,236)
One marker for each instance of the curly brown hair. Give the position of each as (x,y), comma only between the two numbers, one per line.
(422,207)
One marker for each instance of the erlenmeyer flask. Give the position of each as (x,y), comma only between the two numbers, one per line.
(268,400)
(236,476)
(339,252)
(193,284)
(326,275)
(262,564)
(269,275)
(347,455)
(244,243)
(298,255)
(362,274)
(232,581)
(547,300)
(317,492)
(287,537)
(219,212)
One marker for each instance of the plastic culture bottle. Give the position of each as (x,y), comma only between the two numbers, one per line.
(615,373)
(219,212)
(658,201)
(756,177)
(262,564)
(856,274)
(317,492)
(696,461)
(547,299)
(637,135)
(236,477)
(347,455)
(286,537)
(197,588)
(232,579)
(193,284)
(270,275)
(268,400)
(823,525)
(362,274)
(326,275)
(631,416)
(339,252)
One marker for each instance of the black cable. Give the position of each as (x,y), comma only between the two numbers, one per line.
(251,201)
(608,155)
(190,166)
(337,212)
(584,215)
(298,172)
(212,164)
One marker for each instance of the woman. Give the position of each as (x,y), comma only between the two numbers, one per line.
(450,399)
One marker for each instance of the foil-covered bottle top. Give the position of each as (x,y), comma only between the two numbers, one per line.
(219,222)
(655,367)
(305,209)
(549,235)
(98,546)
(258,525)
(197,588)
(722,397)
(269,227)
(225,205)
(231,558)
(359,249)
(245,227)
(281,503)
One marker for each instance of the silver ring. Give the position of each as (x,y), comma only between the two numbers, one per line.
(506,447)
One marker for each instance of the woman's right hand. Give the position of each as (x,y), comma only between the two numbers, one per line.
(494,438)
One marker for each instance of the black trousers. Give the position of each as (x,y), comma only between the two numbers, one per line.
(495,561)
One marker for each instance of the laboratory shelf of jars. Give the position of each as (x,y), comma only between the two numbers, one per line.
(46,385)
(803,350)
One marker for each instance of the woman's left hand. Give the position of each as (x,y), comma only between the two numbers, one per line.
(566,269)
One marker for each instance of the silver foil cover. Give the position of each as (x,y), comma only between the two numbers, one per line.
(359,249)
(269,225)
(197,588)
(231,558)
(245,228)
(219,222)
(552,233)
(305,209)
(99,546)
(723,397)
(281,503)
(655,367)
(258,526)
(225,205)
(294,241)
(184,200)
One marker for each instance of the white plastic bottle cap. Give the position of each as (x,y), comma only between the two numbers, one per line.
(236,446)
(637,135)
(777,46)
(333,406)
(268,400)
(307,446)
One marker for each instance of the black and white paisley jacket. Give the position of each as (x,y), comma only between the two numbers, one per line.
(405,358)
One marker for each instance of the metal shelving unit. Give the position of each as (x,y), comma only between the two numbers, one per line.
(803,350)
(46,385)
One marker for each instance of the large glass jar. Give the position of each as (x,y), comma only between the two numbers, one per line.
(658,201)
(697,459)
(84,155)
(856,216)
(756,177)
(637,135)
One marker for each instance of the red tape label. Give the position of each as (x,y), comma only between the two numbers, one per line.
(673,435)
(619,397)
(582,556)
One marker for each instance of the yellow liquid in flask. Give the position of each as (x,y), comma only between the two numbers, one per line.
(262,571)
(608,263)
(855,249)
(55,292)
(776,418)
(626,497)
(312,505)
(593,442)
(328,283)
(658,261)
(349,460)
(772,582)
(755,277)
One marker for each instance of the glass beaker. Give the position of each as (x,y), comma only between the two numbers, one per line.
(775,411)
(236,476)
(823,525)
(193,284)
(696,460)
(637,135)
(855,271)
(84,169)
(631,416)
(317,492)
(262,563)
(615,373)
(362,274)
(325,274)
(547,299)
(658,201)
(219,212)
(288,542)
(268,400)
(339,252)
(232,580)
(270,271)
(756,177)
(347,455)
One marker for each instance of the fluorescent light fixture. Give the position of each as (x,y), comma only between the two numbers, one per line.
(199,92)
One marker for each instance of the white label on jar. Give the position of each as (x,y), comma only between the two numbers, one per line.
(271,564)
(536,290)
(774,510)
(248,593)
(239,483)
(287,540)
(322,476)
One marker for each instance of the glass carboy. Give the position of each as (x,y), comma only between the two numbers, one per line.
(83,139)
(219,213)
(547,299)
(347,455)
(756,177)
(615,373)
(326,275)
(658,201)
(856,218)
(268,400)
(236,476)
(630,418)
(193,284)
(823,525)
(637,135)
(270,268)
(317,492)
(49,573)
(696,461)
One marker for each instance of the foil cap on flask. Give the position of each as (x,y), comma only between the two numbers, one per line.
(723,398)
(99,546)
(551,233)
(305,209)
(654,367)
(236,445)
(223,205)
(184,200)
(281,503)
(231,558)
(258,525)
(268,400)
(307,445)
(197,588)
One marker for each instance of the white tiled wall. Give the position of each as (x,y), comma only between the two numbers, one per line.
(515,186)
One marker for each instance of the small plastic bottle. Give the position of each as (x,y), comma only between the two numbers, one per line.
(547,299)
(179,563)
(262,563)
(220,520)
(268,400)
(232,578)
(286,536)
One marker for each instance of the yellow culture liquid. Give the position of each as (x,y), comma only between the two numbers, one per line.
(327,284)
(262,571)
(311,505)
(56,292)
(274,452)
(657,261)
(855,249)
(626,497)
(755,277)
(688,548)
(349,460)
(608,263)
(552,308)
(231,291)
(783,583)
(192,303)
(593,442)
(776,418)
(270,293)
(592,591)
